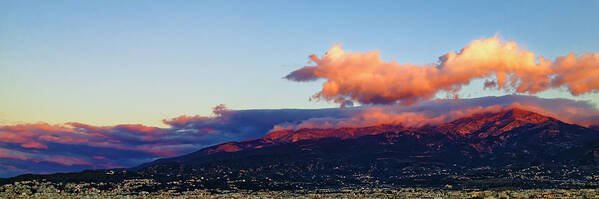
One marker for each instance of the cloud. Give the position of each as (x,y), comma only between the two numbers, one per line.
(76,146)
(350,77)
(446,110)
(34,145)
(44,148)
(366,78)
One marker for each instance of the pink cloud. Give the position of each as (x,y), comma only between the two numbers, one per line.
(138,128)
(366,78)
(182,120)
(442,111)
(34,145)
(97,157)
(66,160)
(4,153)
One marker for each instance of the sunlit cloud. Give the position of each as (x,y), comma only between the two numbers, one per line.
(366,78)
(74,146)
(388,93)
(439,111)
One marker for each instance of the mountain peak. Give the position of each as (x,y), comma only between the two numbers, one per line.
(478,133)
(481,125)
(496,121)
(493,123)
(521,114)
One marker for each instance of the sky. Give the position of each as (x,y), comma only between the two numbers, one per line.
(113,62)
(104,84)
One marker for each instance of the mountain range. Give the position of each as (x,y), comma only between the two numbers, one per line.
(511,148)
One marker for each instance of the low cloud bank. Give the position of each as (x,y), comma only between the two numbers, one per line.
(440,111)
(48,148)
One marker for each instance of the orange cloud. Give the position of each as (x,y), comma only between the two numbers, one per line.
(383,115)
(138,128)
(579,74)
(366,78)
(34,145)
(442,111)
(183,119)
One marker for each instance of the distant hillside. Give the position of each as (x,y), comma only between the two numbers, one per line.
(513,148)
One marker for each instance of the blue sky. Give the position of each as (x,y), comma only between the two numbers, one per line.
(110,62)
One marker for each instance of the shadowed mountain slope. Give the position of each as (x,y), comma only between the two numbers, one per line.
(512,148)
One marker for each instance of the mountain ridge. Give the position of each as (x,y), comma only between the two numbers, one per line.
(490,149)
(507,119)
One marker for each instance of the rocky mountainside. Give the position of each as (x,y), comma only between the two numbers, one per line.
(488,134)
(513,148)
